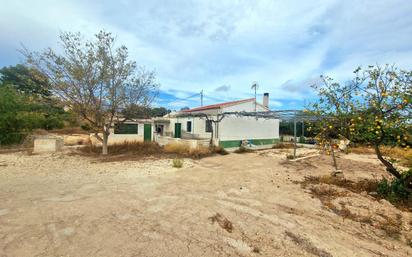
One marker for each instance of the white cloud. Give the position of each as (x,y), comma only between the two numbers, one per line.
(195,45)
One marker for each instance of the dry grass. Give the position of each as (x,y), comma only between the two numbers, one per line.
(356,187)
(132,148)
(322,188)
(186,151)
(307,245)
(222,221)
(283,145)
(69,131)
(243,149)
(137,150)
(404,155)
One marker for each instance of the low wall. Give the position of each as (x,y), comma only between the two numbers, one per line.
(117,138)
(261,143)
(192,143)
(47,144)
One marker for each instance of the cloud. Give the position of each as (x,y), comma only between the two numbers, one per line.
(223,88)
(202,45)
(301,86)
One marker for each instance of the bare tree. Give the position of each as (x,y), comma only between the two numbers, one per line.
(95,79)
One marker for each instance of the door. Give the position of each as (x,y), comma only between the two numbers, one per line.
(147,135)
(178,130)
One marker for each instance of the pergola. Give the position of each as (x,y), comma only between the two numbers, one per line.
(294,116)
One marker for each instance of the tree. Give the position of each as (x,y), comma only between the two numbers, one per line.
(334,110)
(385,111)
(95,79)
(26,80)
(20,113)
(134,111)
(374,108)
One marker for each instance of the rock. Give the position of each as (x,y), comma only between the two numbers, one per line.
(385,202)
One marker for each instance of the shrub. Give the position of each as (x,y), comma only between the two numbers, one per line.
(219,150)
(139,148)
(177,163)
(290,156)
(187,151)
(177,148)
(242,149)
(396,190)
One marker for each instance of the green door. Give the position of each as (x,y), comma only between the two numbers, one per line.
(147,135)
(178,130)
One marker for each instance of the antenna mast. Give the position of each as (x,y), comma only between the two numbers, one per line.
(201,98)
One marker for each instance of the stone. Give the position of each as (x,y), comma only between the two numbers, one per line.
(46,144)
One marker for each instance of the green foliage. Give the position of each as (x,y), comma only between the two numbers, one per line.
(25,80)
(374,108)
(20,114)
(177,163)
(134,111)
(397,189)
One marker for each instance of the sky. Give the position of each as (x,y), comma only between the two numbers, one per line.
(223,47)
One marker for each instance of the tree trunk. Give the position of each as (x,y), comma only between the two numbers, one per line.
(105,141)
(335,164)
(389,167)
(211,143)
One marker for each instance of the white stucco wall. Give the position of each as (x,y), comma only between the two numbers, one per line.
(244,107)
(121,138)
(238,128)
(198,126)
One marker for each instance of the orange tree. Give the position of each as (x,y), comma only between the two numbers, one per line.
(332,112)
(384,114)
(374,108)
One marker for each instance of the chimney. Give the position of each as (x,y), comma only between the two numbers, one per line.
(266,100)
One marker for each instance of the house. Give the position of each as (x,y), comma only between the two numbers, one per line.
(222,123)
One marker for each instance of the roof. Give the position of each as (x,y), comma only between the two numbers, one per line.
(220,105)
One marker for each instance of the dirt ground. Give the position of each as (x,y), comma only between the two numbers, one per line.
(233,205)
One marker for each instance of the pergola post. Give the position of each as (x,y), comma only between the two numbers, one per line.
(294,137)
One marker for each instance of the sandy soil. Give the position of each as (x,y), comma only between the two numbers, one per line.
(233,205)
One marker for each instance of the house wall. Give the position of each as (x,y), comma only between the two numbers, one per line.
(233,129)
(198,126)
(121,138)
(244,107)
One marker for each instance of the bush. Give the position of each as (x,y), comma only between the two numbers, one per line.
(177,163)
(219,150)
(185,150)
(242,149)
(396,190)
(135,148)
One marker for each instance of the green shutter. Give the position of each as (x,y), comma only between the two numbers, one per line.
(125,129)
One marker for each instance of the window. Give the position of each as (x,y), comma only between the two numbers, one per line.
(189,126)
(209,127)
(125,129)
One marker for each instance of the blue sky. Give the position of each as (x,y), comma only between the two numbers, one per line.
(223,46)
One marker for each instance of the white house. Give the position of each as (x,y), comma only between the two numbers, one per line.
(223,123)
(229,129)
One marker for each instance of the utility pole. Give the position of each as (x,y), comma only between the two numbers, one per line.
(255,86)
(201,98)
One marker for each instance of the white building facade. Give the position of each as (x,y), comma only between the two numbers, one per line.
(223,123)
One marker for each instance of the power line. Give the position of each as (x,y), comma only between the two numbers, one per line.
(183,99)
